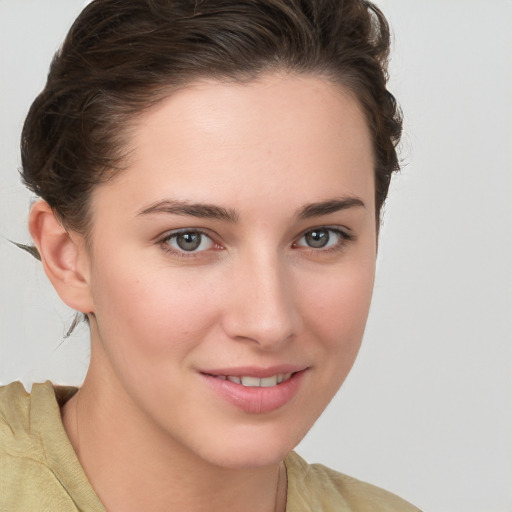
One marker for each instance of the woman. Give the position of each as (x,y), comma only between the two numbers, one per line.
(211,177)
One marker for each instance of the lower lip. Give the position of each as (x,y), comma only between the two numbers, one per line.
(257,400)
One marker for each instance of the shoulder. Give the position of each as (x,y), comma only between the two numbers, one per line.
(22,414)
(15,420)
(34,458)
(315,488)
(21,443)
(22,457)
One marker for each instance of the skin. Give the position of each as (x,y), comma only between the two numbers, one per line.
(150,434)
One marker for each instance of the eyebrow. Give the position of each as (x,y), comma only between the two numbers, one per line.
(327,207)
(200,210)
(211,211)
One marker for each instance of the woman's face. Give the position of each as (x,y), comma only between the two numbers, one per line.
(235,252)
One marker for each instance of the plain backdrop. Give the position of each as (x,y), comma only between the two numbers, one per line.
(427,409)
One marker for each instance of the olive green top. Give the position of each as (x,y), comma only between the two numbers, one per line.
(39,470)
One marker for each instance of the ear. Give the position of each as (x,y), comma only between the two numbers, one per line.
(64,256)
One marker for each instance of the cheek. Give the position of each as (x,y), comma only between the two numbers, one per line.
(336,315)
(338,303)
(152,311)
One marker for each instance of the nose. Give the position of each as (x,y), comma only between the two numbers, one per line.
(261,308)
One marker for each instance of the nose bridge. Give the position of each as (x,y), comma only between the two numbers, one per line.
(262,306)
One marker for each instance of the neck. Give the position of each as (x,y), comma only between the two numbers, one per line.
(133,465)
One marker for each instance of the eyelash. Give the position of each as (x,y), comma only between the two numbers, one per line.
(343,238)
(164,242)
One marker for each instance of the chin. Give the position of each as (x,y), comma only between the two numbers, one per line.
(254,448)
(249,459)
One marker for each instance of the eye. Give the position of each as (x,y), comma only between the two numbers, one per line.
(322,238)
(188,241)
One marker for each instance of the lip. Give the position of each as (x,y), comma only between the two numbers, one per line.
(255,371)
(256,400)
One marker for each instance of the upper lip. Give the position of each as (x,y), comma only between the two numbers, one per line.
(256,371)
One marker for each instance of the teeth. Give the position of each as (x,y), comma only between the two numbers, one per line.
(282,377)
(268,381)
(256,382)
(251,382)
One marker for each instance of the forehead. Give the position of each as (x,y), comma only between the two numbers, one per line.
(232,142)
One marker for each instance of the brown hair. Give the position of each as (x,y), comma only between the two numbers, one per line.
(122,56)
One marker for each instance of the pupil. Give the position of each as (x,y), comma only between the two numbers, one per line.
(188,241)
(317,238)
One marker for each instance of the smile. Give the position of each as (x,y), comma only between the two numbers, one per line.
(256,382)
(253,393)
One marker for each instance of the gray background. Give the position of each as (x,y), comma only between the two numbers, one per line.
(426,411)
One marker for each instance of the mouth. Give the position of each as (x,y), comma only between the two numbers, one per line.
(256,390)
(256,382)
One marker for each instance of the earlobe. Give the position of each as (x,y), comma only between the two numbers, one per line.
(64,257)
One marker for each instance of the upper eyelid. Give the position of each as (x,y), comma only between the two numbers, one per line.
(345,236)
(344,231)
(162,242)
(174,232)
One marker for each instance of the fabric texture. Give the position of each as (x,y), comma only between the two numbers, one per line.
(39,470)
